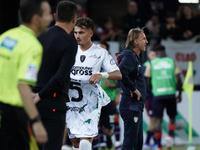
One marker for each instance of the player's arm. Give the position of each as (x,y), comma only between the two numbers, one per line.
(117,98)
(147,75)
(178,82)
(126,66)
(115,75)
(112,73)
(112,70)
(27,75)
(179,87)
(30,108)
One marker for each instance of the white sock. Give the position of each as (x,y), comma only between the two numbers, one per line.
(75,148)
(85,145)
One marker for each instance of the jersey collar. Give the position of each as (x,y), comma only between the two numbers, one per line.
(26,29)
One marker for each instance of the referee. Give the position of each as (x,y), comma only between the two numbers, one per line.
(20,59)
(53,79)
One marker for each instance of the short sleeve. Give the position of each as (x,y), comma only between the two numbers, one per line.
(29,64)
(109,64)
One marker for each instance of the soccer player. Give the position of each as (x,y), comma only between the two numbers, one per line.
(59,53)
(163,76)
(20,59)
(134,89)
(148,105)
(86,96)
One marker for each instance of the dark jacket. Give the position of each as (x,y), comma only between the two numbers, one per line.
(132,78)
(59,51)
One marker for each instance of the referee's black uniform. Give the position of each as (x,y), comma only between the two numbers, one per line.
(130,108)
(53,82)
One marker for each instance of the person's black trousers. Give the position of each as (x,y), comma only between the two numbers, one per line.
(13,128)
(133,130)
(53,114)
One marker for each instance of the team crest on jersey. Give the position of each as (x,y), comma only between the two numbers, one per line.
(112,62)
(135,119)
(82,58)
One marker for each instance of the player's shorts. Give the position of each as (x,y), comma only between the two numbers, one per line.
(84,109)
(149,103)
(149,106)
(162,102)
(107,115)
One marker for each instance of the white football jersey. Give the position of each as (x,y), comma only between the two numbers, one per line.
(91,61)
(86,100)
(84,108)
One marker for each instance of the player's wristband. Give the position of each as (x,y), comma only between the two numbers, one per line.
(105,75)
(36,119)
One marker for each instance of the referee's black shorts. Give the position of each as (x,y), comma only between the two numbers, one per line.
(13,128)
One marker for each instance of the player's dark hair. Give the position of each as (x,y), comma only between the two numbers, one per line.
(28,8)
(160,50)
(106,44)
(66,11)
(84,22)
(133,35)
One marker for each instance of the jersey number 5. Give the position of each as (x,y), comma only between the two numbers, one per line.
(80,93)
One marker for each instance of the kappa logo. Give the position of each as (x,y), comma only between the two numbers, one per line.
(82,58)
(135,119)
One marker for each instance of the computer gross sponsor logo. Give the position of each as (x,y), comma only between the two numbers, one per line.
(81,70)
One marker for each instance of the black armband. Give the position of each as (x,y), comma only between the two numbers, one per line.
(36,119)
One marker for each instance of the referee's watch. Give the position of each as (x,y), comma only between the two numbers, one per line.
(36,119)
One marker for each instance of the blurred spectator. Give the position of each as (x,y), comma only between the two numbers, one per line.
(153,25)
(110,33)
(97,31)
(187,22)
(132,19)
(144,9)
(158,8)
(170,28)
(81,12)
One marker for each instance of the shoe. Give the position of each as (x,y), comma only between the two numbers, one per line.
(169,141)
(146,147)
(119,148)
(66,147)
(159,148)
(154,147)
(117,144)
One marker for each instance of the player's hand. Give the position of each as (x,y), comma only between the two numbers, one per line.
(137,93)
(36,98)
(95,78)
(117,99)
(40,132)
(34,95)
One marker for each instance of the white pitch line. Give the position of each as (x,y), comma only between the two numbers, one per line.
(191,148)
